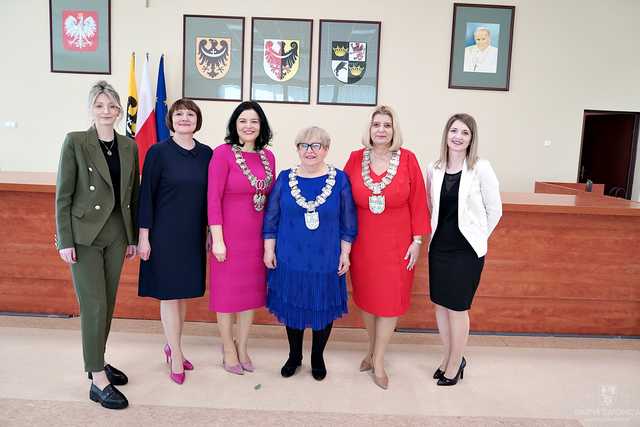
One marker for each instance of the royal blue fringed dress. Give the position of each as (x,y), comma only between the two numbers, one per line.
(304,290)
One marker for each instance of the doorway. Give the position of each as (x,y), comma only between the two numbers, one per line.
(608,150)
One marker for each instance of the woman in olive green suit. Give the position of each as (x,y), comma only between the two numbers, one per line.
(96,202)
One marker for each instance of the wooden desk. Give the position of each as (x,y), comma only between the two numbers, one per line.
(556,264)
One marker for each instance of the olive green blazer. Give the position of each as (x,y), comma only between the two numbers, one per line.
(84,193)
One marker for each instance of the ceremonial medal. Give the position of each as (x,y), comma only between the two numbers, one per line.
(260,185)
(311,216)
(312,220)
(376,204)
(376,200)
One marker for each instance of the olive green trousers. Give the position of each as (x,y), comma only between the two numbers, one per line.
(96,275)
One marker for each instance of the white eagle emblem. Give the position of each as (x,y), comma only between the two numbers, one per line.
(80,30)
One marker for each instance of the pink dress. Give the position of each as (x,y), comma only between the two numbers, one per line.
(238,283)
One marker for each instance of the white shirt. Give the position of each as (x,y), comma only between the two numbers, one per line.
(479,204)
(480,61)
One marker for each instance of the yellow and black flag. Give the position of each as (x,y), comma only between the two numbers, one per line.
(132,100)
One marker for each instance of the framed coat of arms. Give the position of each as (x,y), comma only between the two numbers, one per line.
(281,60)
(349,56)
(80,36)
(212,57)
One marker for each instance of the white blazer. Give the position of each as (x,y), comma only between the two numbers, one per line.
(479,204)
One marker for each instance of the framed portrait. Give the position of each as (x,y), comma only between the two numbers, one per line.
(481,40)
(349,57)
(281,60)
(212,57)
(80,36)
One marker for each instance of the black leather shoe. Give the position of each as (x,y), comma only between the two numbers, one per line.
(439,373)
(318,369)
(110,397)
(115,376)
(290,367)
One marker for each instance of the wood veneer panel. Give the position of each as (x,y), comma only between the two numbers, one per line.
(564,272)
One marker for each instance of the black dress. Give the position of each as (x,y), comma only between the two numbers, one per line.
(173,206)
(454,267)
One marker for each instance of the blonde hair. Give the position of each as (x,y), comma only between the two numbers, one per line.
(396,141)
(314,134)
(472,149)
(102,87)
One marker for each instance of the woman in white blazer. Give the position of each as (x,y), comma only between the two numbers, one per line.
(464,199)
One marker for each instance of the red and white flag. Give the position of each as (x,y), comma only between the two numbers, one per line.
(146,129)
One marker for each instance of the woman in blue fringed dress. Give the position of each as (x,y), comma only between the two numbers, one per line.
(308,228)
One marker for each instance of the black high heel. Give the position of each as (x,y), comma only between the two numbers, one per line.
(460,375)
(439,373)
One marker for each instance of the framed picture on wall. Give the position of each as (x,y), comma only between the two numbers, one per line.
(281,60)
(481,41)
(212,57)
(349,57)
(80,36)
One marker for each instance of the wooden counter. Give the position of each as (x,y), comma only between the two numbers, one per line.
(556,264)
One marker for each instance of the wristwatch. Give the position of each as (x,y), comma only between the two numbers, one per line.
(417,240)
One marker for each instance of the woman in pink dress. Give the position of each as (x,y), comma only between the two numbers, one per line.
(241,174)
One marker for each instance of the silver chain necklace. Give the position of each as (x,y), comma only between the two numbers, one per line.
(108,148)
(259,185)
(376,200)
(311,217)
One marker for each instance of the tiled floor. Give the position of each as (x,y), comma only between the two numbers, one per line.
(595,381)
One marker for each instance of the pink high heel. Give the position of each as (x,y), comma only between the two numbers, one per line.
(188,366)
(176,377)
(247,366)
(235,369)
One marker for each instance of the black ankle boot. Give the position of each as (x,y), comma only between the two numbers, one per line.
(318,368)
(110,397)
(290,367)
(294,361)
(320,338)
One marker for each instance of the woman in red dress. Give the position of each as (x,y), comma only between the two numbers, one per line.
(391,199)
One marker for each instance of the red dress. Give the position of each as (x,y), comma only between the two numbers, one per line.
(379,276)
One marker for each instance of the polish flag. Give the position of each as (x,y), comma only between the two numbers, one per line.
(146,129)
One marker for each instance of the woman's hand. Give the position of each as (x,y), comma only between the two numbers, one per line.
(209,241)
(412,254)
(219,250)
(131,252)
(270,259)
(344,264)
(144,249)
(68,255)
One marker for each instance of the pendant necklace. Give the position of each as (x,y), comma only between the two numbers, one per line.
(311,217)
(108,148)
(259,185)
(376,200)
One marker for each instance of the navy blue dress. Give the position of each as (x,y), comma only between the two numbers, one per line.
(173,206)
(304,290)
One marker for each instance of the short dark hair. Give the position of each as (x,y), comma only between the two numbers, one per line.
(265,131)
(184,104)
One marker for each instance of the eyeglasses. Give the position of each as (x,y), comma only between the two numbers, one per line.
(314,146)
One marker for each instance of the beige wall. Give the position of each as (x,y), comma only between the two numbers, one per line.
(568,55)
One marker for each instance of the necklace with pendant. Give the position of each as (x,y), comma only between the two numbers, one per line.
(259,185)
(376,200)
(311,217)
(108,148)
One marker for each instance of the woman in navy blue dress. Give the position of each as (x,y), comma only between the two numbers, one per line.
(173,226)
(308,228)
